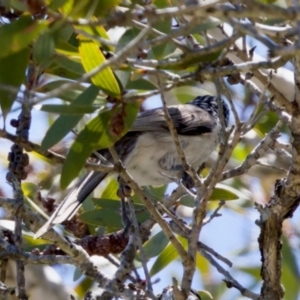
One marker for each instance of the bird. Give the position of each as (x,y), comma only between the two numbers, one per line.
(149,153)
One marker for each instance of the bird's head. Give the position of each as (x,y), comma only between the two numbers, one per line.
(210,104)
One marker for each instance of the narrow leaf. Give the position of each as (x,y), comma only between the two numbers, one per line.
(219,193)
(166,257)
(109,214)
(70,64)
(101,132)
(18,63)
(113,204)
(64,124)
(69,109)
(19,34)
(110,191)
(44,48)
(86,142)
(102,217)
(92,57)
(156,245)
(70,95)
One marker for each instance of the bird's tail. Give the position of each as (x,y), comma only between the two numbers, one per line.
(73,201)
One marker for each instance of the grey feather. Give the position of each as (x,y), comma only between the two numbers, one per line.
(149,153)
(188,119)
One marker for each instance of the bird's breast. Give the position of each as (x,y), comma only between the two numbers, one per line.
(154,159)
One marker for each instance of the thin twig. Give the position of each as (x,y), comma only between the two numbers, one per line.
(245,292)
(140,244)
(149,205)
(215,213)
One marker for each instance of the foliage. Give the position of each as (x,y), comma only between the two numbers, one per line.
(90,67)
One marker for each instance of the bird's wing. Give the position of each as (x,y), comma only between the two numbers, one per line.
(188,120)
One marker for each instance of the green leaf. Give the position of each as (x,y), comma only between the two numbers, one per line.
(221,192)
(98,133)
(56,4)
(70,95)
(164,26)
(26,234)
(30,189)
(225,192)
(88,8)
(64,124)
(12,73)
(141,84)
(166,257)
(202,265)
(102,33)
(70,64)
(187,93)
(109,214)
(19,34)
(97,31)
(65,48)
(86,142)
(110,191)
(212,23)
(156,245)
(100,217)
(160,51)
(266,123)
(289,258)
(62,72)
(205,295)
(92,57)
(156,193)
(253,271)
(44,48)
(290,282)
(127,37)
(190,61)
(113,204)
(69,109)
(105,6)
(83,286)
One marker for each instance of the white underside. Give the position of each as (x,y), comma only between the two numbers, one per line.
(147,166)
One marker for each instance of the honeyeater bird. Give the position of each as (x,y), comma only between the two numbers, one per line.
(149,153)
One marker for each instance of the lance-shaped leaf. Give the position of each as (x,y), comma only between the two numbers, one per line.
(65,123)
(69,64)
(97,31)
(166,256)
(156,244)
(92,57)
(12,73)
(43,49)
(69,109)
(109,216)
(101,132)
(221,192)
(19,34)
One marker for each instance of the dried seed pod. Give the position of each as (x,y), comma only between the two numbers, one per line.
(23,175)
(25,159)
(10,156)
(14,123)
(19,169)
(16,148)
(18,157)
(8,177)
